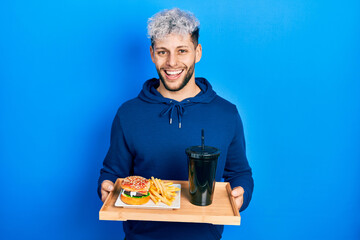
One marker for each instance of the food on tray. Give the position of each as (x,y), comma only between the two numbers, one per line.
(161,191)
(135,190)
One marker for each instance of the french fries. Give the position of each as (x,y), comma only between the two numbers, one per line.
(161,191)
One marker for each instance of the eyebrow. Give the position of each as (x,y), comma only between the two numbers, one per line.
(184,46)
(164,48)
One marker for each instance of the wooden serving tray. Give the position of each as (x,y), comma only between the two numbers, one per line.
(222,210)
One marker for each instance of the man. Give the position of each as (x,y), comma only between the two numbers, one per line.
(151,132)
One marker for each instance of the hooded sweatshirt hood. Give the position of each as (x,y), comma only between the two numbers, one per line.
(151,95)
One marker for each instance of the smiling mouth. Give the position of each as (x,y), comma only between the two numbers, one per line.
(173,74)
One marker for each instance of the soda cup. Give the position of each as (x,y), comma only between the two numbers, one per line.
(202,162)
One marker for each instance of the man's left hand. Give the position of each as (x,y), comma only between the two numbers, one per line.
(238,194)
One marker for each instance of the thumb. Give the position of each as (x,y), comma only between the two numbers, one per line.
(238,191)
(107,185)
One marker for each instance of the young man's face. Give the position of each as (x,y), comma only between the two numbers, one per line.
(175,57)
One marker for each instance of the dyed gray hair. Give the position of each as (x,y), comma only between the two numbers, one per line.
(173,21)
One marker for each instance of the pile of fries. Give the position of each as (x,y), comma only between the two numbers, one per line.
(161,191)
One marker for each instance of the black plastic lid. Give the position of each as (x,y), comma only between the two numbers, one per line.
(207,152)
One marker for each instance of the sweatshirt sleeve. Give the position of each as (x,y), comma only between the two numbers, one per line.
(118,160)
(237,169)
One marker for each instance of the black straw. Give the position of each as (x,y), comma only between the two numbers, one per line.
(202,139)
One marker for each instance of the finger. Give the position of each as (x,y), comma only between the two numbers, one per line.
(238,191)
(239,202)
(107,185)
(104,195)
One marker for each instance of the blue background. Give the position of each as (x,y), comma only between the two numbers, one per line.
(291,67)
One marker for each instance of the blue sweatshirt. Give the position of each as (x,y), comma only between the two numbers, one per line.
(149,136)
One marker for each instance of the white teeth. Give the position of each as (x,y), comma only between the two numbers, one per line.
(173,72)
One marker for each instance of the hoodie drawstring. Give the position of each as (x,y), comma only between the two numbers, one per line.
(180,111)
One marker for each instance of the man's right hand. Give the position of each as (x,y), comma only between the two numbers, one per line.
(107,186)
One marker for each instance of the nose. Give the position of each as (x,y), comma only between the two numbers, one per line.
(171,60)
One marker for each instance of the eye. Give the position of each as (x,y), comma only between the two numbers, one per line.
(161,53)
(182,51)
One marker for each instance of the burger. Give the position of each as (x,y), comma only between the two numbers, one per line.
(135,190)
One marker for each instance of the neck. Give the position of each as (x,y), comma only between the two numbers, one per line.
(190,90)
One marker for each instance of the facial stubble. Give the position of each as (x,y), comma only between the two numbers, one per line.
(186,80)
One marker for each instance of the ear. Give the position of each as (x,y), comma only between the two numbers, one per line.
(198,52)
(152,53)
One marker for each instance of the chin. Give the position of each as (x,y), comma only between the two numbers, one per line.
(173,88)
(174,85)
